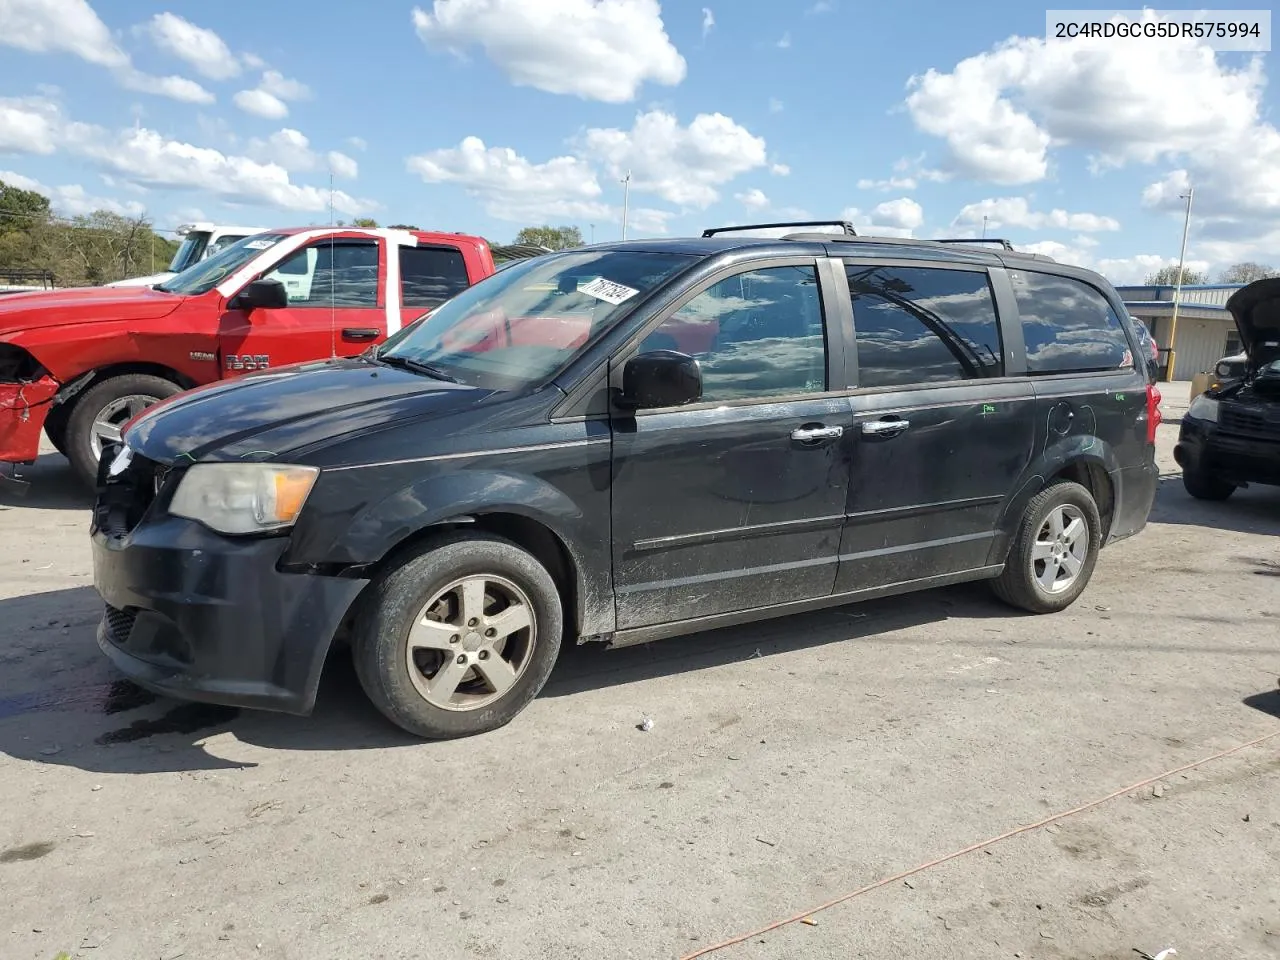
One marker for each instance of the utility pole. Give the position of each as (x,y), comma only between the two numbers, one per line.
(626,200)
(593,232)
(984,226)
(1177,287)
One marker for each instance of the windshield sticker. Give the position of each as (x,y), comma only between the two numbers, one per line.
(608,291)
(259,244)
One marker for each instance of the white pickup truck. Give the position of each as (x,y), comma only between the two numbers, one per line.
(200,240)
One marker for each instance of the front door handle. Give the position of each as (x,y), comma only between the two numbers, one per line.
(884,428)
(360,334)
(814,434)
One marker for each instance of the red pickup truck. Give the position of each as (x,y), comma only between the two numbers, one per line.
(80,363)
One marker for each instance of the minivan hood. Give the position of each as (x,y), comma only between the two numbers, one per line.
(274,413)
(49,308)
(1256,311)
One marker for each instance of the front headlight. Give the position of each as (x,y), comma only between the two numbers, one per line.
(1204,408)
(243,497)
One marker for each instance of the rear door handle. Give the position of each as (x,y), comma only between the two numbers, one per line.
(814,434)
(884,428)
(360,334)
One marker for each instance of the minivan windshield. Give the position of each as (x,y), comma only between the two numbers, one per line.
(207,274)
(520,325)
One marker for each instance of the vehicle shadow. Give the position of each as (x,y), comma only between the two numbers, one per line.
(62,703)
(1253,510)
(53,485)
(1267,702)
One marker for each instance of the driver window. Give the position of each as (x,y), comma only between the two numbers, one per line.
(757,335)
(328,274)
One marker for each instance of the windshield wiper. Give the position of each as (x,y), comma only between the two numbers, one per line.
(417,366)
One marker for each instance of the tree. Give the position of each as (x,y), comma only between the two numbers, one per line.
(365,223)
(402,226)
(21,209)
(1246,272)
(553,238)
(1168,277)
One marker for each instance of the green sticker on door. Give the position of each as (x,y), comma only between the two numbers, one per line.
(987,410)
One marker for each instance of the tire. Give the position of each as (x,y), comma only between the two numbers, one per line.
(1021,584)
(101,397)
(1205,486)
(55,427)
(393,605)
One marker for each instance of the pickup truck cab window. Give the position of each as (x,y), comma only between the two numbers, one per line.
(340,273)
(521,325)
(207,274)
(431,275)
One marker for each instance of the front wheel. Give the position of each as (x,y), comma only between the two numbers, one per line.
(458,639)
(1205,486)
(1054,550)
(100,413)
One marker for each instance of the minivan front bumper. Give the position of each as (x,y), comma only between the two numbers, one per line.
(198,616)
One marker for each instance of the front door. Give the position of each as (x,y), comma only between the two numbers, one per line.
(940,436)
(737,501)
(336,308)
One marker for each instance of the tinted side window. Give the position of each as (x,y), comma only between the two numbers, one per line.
(922,325)
(431,275)
(755,335)
(343,274)
(1069,326)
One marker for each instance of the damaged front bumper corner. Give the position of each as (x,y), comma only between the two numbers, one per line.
(23,409)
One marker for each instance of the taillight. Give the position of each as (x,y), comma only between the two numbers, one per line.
(1153,412)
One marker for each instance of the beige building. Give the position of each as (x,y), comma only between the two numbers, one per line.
(1205,333)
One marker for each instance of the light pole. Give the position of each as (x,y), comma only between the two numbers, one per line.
(626,200)
(1177,287)
(593,232)
(984,226)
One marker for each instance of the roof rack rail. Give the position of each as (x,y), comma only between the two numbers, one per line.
(1005,244)
(844,225)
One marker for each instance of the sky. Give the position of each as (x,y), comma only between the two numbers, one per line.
(485,116)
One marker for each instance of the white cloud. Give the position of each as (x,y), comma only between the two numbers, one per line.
(1017,212)
(780,170)
(175,88)
(893,218)
(1119,270)
(784,41)
(143,157)
(708,21)
(287,148)
(892,183)
(775,105)
(513,188)
(267,100)
(28,125)
(903,213)
(648,221)
(261,104)
(343,167)
(1001,112)
(822,6)
(63,26)
(278,85)
(591,49)
(753,199)
(357,143)
(683,165)
(73,200)
(203,49)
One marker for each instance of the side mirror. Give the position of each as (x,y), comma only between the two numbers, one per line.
(264,295)
(662,378)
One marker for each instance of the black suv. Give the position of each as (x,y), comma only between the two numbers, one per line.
(620,443)
(1230,435)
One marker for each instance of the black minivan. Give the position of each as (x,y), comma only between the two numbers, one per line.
(621,443)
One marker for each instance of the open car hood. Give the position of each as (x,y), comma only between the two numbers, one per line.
(1256,311)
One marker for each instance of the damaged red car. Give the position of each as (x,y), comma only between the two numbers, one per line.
(78,364)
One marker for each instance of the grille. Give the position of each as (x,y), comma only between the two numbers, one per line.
(1260,421)
(119,623)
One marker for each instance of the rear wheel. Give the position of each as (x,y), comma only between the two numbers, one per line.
(458,639)
(1205,486)
(102,410)
(1054,551)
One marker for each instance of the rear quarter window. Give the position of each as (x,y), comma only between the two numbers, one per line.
(431,275)
(1068,326)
